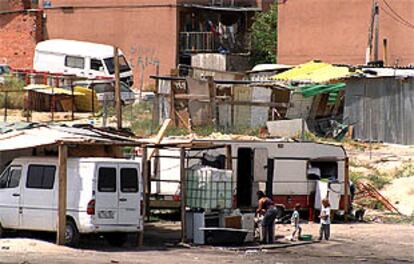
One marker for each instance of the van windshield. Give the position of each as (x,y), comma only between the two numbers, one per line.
(123,64)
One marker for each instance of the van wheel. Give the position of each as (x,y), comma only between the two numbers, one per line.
(71,234)
(116,239)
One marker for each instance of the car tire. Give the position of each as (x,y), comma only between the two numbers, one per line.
(71,234)
(116,239)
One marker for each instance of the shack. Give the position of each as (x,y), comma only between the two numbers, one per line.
(287,171)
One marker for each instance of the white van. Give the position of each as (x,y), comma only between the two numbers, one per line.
(104,195)
(83,59)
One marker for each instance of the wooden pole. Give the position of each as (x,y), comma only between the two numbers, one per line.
(160,136)
(118,105)
(346,186)
(144,193)
(5,106)
(61,219)
(229,158)
(148,182)
(385,51)
(156,102)
(183,189)
(72,90)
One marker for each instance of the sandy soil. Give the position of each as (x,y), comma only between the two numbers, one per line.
(350,243)
(401,193)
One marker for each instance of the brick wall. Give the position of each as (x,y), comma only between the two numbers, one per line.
(19,33)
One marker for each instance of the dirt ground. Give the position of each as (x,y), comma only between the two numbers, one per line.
(350,243)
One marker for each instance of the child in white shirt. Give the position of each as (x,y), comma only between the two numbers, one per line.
(325,217)
(295,222)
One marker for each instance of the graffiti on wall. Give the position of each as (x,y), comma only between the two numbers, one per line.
(145,62)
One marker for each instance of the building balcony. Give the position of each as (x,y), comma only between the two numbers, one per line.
(206,42)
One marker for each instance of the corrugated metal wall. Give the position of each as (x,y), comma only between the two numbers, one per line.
(381,109)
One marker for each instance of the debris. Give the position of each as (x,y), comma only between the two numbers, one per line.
(367,190)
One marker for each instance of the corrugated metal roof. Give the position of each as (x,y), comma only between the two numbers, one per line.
(30,135)
(314,72)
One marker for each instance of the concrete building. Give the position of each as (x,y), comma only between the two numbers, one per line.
(337,31)
(155,36)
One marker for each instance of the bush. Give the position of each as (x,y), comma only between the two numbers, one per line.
(15,100)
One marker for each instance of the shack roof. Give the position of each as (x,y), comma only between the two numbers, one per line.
(14,136)
(315,72)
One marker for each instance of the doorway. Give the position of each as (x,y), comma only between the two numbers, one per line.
(244,177)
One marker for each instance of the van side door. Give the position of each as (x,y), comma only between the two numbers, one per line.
(39,198)
(10,190)
(106,194)
(129,195)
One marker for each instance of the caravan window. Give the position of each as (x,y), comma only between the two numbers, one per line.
(107,180)
(129,180)
(75,62)
(41,177)
(326,169)
(96,65)
(11,177)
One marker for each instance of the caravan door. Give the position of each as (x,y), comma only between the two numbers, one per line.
(259,172)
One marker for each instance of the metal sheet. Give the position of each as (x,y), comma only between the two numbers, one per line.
(381,109)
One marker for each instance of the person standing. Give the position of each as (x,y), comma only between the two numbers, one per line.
(269,211)
(325,216)
(295,223)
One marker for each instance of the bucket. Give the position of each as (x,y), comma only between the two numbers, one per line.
(306,238)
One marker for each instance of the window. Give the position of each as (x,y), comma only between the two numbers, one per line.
(129,180)
(96,65)
(75,62)
(323,170)
(41,177)
(123,65)
(11,177)
(107,180)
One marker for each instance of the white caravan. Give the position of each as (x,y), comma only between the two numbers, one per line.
(283,169)
(83,59)
(104,195)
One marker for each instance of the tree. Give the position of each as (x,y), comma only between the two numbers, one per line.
(264,36)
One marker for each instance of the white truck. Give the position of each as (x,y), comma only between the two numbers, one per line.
(104,196)
(83,59)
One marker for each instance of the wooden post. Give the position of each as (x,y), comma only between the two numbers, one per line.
(61,219)
(148,189)
(72,89)
(385,51)
(144,194)
(172,104)
(5,106)
(183,192)
(52,104)
(229,158)
(212,94)
(346,186)
(118,105)
(156,102)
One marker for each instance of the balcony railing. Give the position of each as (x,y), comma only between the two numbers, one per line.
(196,42)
